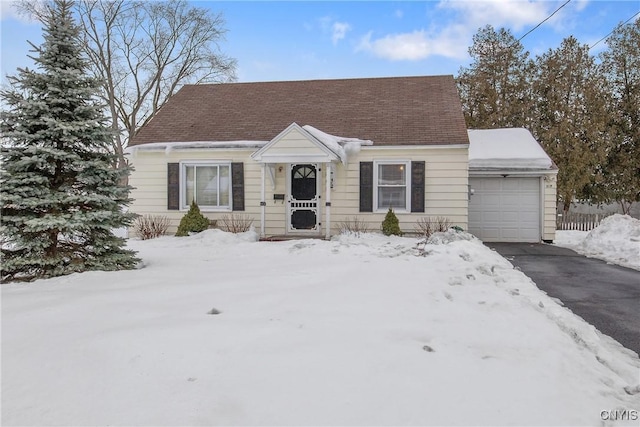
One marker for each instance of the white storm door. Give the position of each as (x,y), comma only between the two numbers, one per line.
(303,198)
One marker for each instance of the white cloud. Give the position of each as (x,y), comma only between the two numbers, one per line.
(417,45)
(581,4)
(514,14)
(399,13)
(9,10)
(465,17)
(339,31)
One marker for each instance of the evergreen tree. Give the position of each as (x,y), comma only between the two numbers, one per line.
(192,222)
(391,224)
(495,89)
(621,169)
(571,116)
(60,195)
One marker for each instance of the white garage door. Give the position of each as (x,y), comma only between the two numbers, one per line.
(505,209)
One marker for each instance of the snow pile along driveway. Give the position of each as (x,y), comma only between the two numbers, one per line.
(616,240)
(358,330)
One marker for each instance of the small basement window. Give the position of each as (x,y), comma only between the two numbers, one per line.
(209,184)
(391,186)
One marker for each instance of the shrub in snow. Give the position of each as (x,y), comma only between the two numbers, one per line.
(192,222)
(391,225)
(150,226)
(426,226)
(61,196)
(235,223)
(353,225)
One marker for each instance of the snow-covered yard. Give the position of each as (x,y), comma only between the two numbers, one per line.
(616,240)
(367,330)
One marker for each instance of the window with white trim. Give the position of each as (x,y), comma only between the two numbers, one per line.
(209,184)
(391,185)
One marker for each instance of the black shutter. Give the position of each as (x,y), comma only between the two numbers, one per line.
(173,186)
(366,186)
(417,186)
(237,186)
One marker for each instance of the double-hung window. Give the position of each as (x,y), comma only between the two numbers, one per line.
(392,189)
(208,184)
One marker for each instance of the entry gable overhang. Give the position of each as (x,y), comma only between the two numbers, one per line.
(295,145)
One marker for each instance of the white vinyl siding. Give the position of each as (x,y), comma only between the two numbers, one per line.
(446,186)
(446,189)
(150,186)
(549,212)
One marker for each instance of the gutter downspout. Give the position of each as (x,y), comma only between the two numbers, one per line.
(263,203)
(328,201)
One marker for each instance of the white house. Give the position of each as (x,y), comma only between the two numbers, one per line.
(300,157)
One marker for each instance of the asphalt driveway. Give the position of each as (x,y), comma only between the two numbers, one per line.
(607,296)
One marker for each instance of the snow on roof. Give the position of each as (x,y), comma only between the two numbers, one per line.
(170,146)
(340,145)
(512,148)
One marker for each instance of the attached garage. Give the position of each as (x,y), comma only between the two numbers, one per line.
(512,187)
(505,209)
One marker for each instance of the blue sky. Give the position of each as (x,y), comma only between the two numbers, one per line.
(297,40)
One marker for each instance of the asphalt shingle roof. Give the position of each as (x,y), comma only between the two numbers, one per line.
(388,111)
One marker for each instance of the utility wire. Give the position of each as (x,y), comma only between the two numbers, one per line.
(624,23)
(545,20)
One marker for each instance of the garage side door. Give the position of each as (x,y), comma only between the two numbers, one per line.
(505,209)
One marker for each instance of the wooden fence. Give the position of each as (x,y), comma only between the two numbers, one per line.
(579,221)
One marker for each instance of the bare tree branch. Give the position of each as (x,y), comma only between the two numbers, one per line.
(144,52)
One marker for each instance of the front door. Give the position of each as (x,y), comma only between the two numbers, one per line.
(303,204)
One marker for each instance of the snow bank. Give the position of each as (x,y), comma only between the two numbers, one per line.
(569,238)
(512,148)
(451,235)
(206,239)
(615,240)
(218,329)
